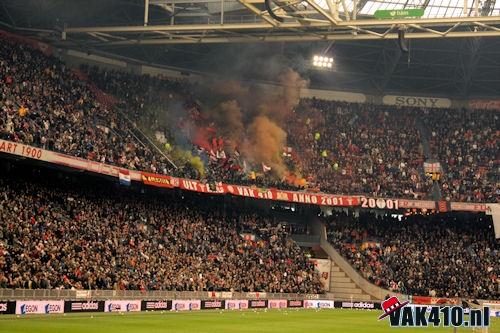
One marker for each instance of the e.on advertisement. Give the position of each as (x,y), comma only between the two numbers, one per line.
(186,305)
(122,306)
(318,304)
(40,307)
(236,304)
(277,304)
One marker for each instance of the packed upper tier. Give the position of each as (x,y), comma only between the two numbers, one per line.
(335,147)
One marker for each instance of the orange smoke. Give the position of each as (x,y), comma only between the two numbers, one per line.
(293,179)
(251,118)
(265,141)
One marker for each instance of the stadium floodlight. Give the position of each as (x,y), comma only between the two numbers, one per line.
(322,61)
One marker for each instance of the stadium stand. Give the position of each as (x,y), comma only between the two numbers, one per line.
(437,255)
(347,168)
(368,149)
(83,237)
(466,143)
(339,148)
(166,105)
(45,104)
(97,236)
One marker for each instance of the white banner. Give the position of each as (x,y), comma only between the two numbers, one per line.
(214,294)
(418,101)
(22,150)
(277,304)
(318,304)
(226,294)
(322,266)
(186,305)
(62,159)
(469,207)
(42,307)
(256,295)
(122,306)
(236,304)
(83,294)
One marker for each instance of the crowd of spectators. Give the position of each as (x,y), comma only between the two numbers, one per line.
(341,148)
(369,150)
(440,255)
(359,149)
(466,144)
(45,104)
(90,238)
(142,95)
(167,106)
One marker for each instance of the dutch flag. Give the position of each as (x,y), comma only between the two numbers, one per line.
(124,177)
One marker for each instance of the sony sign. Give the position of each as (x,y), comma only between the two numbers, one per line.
(417,101)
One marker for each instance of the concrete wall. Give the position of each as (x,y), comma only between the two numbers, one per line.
(306,240)
(76,58)
(333,95)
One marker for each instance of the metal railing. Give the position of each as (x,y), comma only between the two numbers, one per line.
(66,294)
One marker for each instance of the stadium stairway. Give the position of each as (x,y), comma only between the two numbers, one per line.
(345,282)
(343,288)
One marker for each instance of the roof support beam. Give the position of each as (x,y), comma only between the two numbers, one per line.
(488,7)
(300,38)
(360,5)
(317,25)
(320,10)
(287,25)
(334,9)
(6,10)
(425,4)
(468,59)
(416,26)
(259,13)
(346,12)
(146,12)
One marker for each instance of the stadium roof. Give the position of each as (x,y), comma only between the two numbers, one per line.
(367,56)
(433,8)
